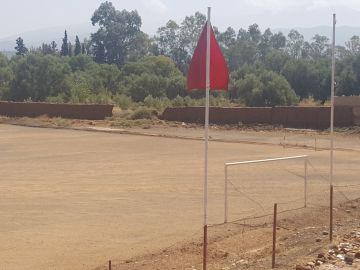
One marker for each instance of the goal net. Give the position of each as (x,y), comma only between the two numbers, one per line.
(252,187)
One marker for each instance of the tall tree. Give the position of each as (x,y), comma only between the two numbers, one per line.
(20,47)
(53,47)
(117,31)
(77,49)
(227,38)
(353,45)
(83,50)
(65,46)
(70,46)
(170,43)
(191,28)
(254,33)
(99,53)
(295,44)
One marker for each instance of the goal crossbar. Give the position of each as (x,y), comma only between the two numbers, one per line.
(229,164)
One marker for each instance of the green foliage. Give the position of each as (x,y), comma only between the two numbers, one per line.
(264,88)
(81,63)
(38,77)
(179,41)
(6,76)
(64,46)
(20,47)
(77,49)
(122,65)
(122,101)
(80,90)
(143,113)
(156,76)
(157,103)
(118,30)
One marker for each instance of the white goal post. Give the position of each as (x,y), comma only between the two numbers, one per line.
(227,165)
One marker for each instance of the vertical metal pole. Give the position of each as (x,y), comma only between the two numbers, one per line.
(332,103)
(109,265)
(226,195)
(305,181)
(331,211)
(332,128)
(274,236)
(206,134)
(205,248)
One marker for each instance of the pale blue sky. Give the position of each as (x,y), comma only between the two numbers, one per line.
(21,16)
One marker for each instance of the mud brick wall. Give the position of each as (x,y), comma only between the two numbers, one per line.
(297,117)
(72,111)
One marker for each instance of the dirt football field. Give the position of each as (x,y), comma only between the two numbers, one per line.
(75,199)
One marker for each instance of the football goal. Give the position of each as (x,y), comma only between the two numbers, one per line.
(254,184)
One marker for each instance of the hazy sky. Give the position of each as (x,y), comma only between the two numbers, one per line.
(17,17)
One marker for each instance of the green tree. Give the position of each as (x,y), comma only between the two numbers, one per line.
(190,31)
(155,76)
(278,41)
(227,38)
(6,77)
(77,49)
(70,50)
(117,31)
(65,46)
(264,88)
(171,44)
(275,60)
(20,47)
(254,33)
(353,45)
(38,77)
(320,47)
(53,47)
(295,44)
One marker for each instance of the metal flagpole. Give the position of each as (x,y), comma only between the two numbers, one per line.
(332,103)
(207,113)
(332,126)
(206,134)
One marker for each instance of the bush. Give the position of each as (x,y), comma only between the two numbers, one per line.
(56,99)
(103,97)
(157,103)
(264,88)
(122,101)
(143,113)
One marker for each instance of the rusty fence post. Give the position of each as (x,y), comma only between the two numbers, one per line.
(331,211)
(205,248)
(274,236)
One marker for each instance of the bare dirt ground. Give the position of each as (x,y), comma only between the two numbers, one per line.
(75,199)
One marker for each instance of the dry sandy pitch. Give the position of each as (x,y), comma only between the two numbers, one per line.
(73,200)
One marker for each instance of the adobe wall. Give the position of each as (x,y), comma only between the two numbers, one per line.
(72,111)
(297,117)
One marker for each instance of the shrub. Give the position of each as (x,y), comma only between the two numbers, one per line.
(143,113)
(122,101)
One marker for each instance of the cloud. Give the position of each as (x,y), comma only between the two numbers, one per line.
(351,4)
(281,5)
(156,6)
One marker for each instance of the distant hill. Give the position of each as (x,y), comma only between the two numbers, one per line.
(343,33)
(36,38)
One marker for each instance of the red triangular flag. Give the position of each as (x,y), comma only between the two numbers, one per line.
(219,73)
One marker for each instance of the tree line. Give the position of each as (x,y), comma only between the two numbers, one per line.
(120,62)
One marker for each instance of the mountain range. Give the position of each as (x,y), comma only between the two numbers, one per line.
(36,38)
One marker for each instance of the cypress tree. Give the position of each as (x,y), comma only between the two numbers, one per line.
(64,47)
(77,50)
(20,47)
(70,49)
(83,50)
